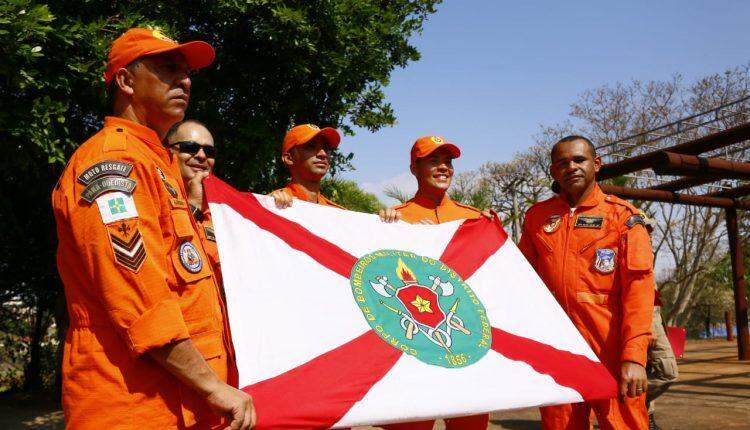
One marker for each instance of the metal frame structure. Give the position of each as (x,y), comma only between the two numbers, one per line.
(698,161)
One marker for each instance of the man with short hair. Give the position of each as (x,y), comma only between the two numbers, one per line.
(306,151)
(593,252)
(193,145)
(432,164)
(145,348)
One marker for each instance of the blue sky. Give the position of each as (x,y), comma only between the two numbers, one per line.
(492,71)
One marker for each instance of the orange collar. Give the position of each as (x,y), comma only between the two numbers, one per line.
(300,192)
(145,134)
(426,202)
(593,199)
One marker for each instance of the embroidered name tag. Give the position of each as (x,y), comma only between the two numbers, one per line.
(589,221)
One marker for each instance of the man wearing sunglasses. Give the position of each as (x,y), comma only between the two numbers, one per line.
(305,152)
(193,145)
(146,343)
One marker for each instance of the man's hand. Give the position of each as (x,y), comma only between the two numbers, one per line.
(233,404)
(282,199)
(633,381)
(389,215)
(195,189)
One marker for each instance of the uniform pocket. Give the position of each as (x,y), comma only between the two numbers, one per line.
(185,269)
(183,228)
(545,243)
(209,344)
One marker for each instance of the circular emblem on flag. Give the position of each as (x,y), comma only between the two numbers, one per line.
(422,307)
(190,258)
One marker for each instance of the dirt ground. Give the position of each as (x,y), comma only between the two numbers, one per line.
(713,392)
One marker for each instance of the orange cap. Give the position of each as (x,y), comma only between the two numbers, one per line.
(302,134)
(426,145)
(139,42)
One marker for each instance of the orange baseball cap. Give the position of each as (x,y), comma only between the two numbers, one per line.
(302,134)
(139,42)
(426,145)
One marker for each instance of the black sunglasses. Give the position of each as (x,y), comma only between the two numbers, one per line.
(192,147)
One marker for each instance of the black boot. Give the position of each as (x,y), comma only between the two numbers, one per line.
(652,422)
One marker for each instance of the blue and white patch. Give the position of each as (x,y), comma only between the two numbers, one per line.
(190,258)
(116,206)
(605,260)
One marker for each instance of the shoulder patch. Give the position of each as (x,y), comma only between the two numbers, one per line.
(105,184)
(116,206)
(635,219)
(115,141)
(105,168)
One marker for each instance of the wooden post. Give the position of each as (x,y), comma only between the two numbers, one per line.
(740,294)
(730,326)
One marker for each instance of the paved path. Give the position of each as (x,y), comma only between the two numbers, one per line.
(713,393)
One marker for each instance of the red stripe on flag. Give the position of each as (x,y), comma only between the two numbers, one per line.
(589,378)
(472,244)
(322,251)
(317,394)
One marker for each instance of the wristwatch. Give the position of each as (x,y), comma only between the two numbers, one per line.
(197,213)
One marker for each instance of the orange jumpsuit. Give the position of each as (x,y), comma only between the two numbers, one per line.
(136,278)
(598,263)
(298,192)
(421,207)
(415,210)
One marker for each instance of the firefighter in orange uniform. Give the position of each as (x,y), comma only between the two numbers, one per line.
(432,165)
(193,145)
(146,347)
(195,152)
(305,151)
(593,252)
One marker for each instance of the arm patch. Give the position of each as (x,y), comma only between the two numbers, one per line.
(635,219)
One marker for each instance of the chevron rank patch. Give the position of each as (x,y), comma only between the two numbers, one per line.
(127,244)
(116,206)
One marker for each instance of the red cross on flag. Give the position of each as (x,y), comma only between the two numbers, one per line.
(339,319)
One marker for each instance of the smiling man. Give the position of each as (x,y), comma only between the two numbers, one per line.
(193,145)
(147,344)
(432,164)
(593,252)
(305,151)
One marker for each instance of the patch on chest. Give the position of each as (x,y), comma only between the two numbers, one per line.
(589,221)
(605,260)
(190,258)
(552,223)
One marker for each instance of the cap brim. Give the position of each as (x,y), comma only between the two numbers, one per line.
(452,150)
(331,135)
(198,54)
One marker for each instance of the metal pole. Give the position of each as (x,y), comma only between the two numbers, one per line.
(740,294)
(730,326)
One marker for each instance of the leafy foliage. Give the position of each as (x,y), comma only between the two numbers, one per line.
(279,62)
(349,195)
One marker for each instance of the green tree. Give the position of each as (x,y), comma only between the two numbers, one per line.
(349,195)
(279,62)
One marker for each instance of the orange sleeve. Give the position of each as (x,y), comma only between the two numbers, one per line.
(126,260)
(637,280)
(526,245)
